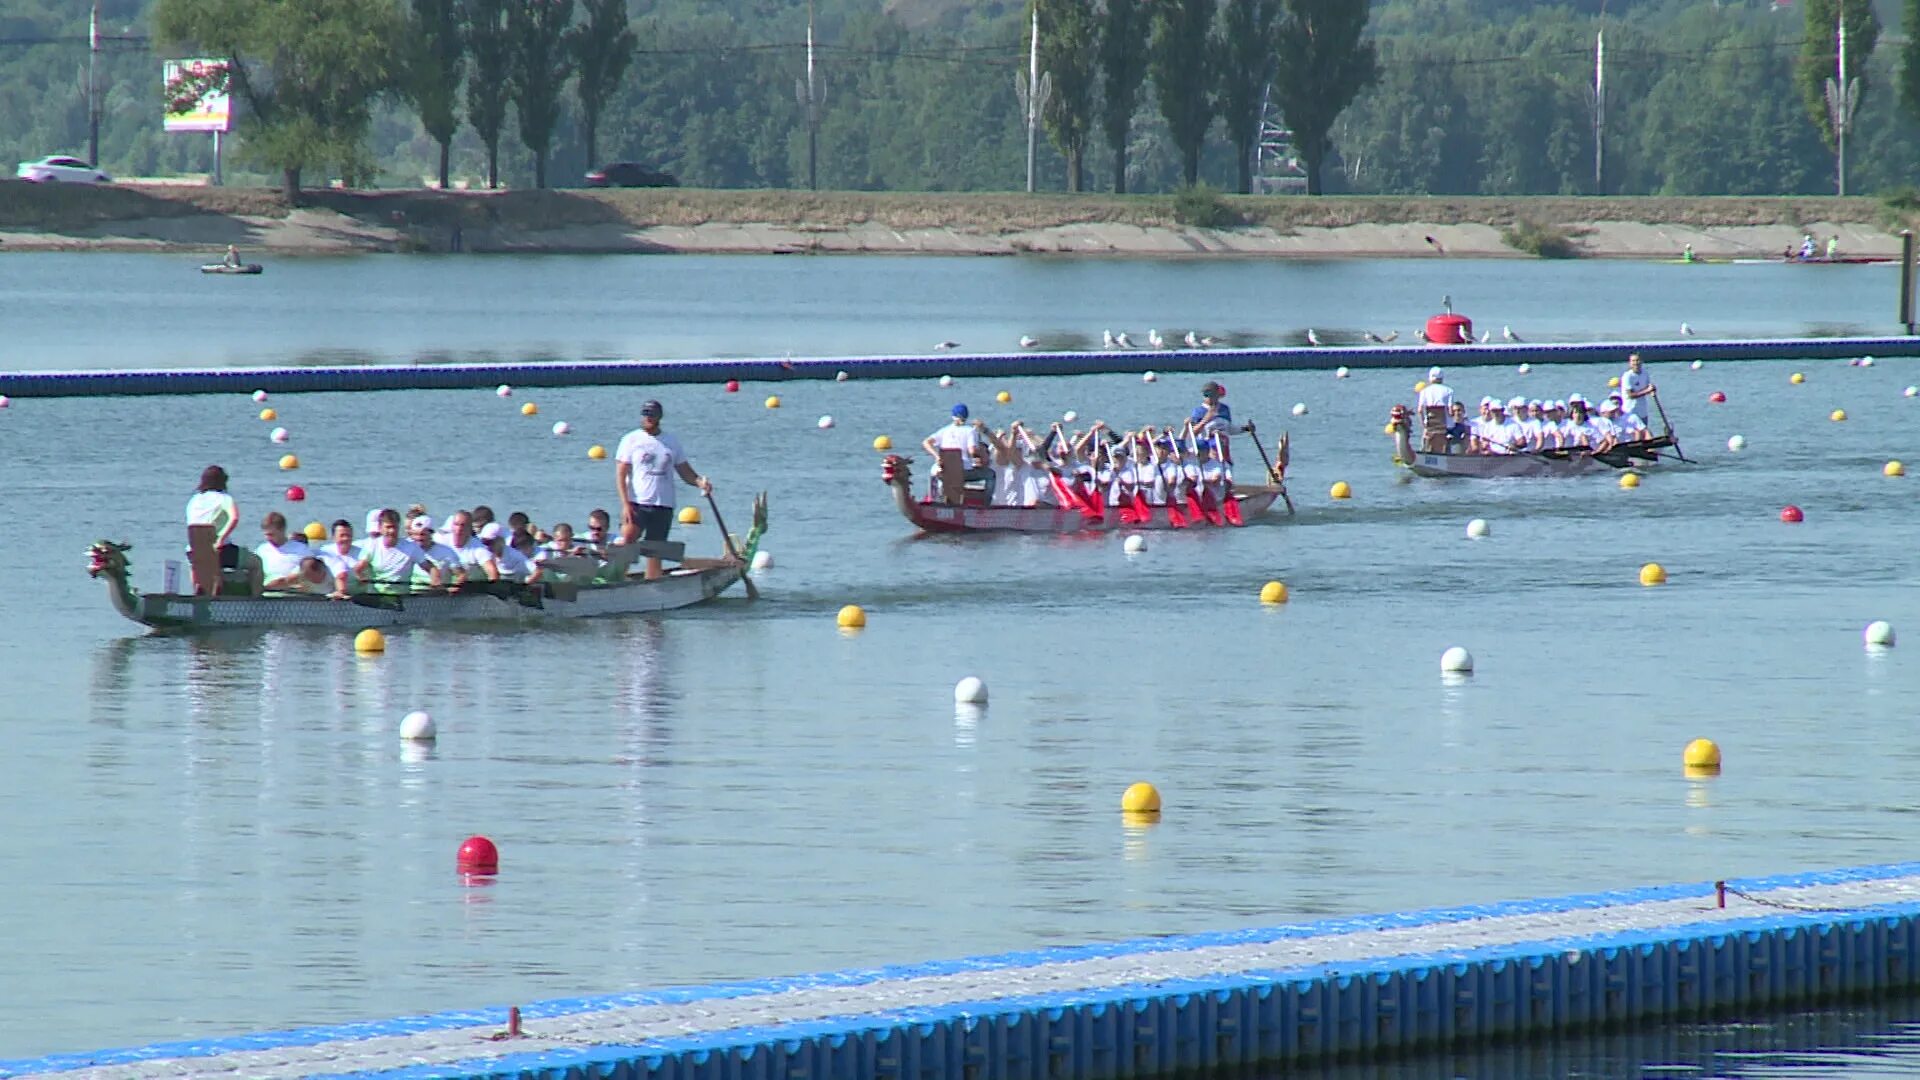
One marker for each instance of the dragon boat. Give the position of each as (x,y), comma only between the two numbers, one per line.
(972,513)
(1572,461)
(581,588)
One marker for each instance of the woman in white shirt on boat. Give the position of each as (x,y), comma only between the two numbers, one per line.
(211,517)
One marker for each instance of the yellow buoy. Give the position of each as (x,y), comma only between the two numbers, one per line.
(529,409)
(852,617)
(597,453)
(269,414)
(1003,398)
(1796,378)
(315,531)
(1341,490)
(1273,592)
(1141,798)
(369,641)
(1653,574)
(1837,415)
(1613,383)
(773,402)
(1894,468)
(288,461)
(1702,754)
(1629,480)
(689,515)
(881,442)
(1419,386)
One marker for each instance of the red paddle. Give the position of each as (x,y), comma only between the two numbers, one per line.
(1232,511)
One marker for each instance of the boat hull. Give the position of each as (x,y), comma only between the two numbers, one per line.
(223,268)
(508,603)
(1551,463)
(943,518)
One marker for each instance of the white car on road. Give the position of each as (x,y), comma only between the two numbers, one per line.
(62,170)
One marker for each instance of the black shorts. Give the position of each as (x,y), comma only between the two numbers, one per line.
(229,556)
(654,521)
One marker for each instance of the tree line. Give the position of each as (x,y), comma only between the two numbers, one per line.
(1392,96)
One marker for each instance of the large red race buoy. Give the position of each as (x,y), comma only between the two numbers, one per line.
(1449,329)
(478,855)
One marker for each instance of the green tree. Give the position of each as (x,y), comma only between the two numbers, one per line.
(435,62)
(1819,53)
(1180,59)
(308,73)
(1246,65)
(1324,64)
(1123,67)
(1910,60)
(1070,55)
(541,64)
(604,46)
(483,24)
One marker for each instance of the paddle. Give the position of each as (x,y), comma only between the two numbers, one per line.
(721,523)
(1668,424)
(1274,476)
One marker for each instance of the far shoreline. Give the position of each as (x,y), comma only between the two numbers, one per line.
(185,219)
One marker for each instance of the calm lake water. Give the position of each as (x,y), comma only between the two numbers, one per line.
(233,838)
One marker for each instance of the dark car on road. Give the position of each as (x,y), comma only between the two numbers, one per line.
(629,174)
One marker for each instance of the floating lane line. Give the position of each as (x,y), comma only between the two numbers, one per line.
(1071,988)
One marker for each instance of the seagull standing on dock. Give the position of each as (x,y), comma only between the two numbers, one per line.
(1028,341)
(1486,336)
(1685,330)
(1209,342)
(1193,340)
(1122,340)
(1392,336)
(1154,339)
(1466,335)
(1107,341)
(945,345)
(1312,338)
(1507,333)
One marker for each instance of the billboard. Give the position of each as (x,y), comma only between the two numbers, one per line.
(196,95)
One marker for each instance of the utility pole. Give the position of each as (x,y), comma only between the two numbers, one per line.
(813,96)
(93,92)
(1843,97)
(1599,111)
(1034,90)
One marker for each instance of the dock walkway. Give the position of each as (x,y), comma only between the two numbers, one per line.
(1156,1007)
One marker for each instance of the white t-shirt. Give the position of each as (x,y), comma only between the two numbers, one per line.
(1632,427)
(213,508)
(961,437)
(278,562)
(392,565)
(514,566)
(476,556)
(652,458)
(1630,381)
(1436,395)
(338,563)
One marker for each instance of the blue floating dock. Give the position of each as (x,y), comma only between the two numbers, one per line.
(1248,999)
(101,383)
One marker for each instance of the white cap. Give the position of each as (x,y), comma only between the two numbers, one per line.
(373,522)
(1561,405)
(491,531)
(1536,403)
(1434,374)
(1517,403)
(421,522)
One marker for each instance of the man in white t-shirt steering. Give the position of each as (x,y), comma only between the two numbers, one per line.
(643,470)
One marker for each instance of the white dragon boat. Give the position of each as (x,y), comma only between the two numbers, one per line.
(1573,461)
(591,591)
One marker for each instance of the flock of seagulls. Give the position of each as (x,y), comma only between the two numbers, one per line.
(1110,339)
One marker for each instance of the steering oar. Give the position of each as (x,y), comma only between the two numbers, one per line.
(727,537)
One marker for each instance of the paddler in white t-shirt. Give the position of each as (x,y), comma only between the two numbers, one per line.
(1435,397)
(476,559)
(279,553)
(388,559)
(342,557)
(435,551)
(1495,438)
(644,468)
(1635,385)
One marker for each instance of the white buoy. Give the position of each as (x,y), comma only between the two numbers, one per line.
(1879,634)
(842,377)
(1340,373)
(1866,361)
(278,434)
(1478,528)
(561,427)
(763,560)
(259,395)
(1912,391)
(1524,368)
(1069,416)
(1149,377)
(417,726)
(970,691)
(1135,544)
(1456,661)
(5,401)
(1299,408)
(1737,443)
(826,422)
(946,380)
(504,390)
(1698,364)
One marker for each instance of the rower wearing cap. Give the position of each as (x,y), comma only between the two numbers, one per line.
(960,435)
(513,564)
(1493,431)
(436,550)
(644,467)
(1520,437)
(1213,414)
(1435,398)
(1632,427)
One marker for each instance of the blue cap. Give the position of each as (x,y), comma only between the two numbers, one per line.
(959,410)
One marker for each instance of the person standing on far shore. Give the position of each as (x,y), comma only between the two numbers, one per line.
(644,466)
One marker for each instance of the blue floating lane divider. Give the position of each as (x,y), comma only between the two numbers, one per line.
(102,383)
(1136,1010)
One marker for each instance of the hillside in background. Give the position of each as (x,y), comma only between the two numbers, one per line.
(1476,97)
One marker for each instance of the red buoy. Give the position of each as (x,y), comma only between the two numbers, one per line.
(296,493)
(478,856)
(1792,515)
(733,386)
(1449,329)
(1717,397)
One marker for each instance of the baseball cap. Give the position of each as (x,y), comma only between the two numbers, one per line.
(1434,374)
(1517,403)
(1211,389)
(959,410)
(421,522)
(492,531)
(1488,401)
(1536,403)
(653,409)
